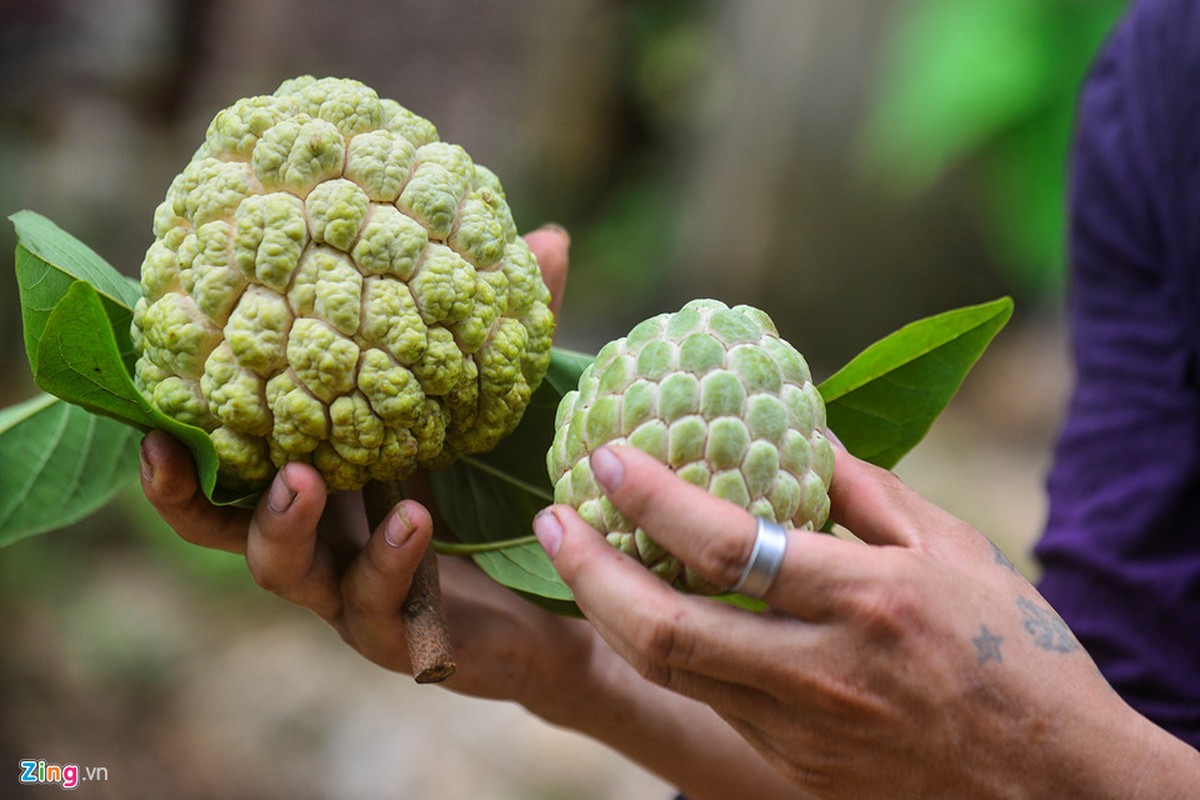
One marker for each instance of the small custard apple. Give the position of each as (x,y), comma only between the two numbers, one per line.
(330,283)
(717,395)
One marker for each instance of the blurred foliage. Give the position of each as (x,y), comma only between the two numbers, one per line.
(128,526)
(676,59)
(991,83)
(670,64)
(622,252)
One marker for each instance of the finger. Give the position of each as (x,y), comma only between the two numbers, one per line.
(169,480)
(343,526)
(689,644)
(712,536)
(283,550)
(716,538)
(551,244)
(420,488)
(798,741)
(878,507)
(377,581)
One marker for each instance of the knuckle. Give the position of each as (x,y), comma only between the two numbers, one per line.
(652,671)
(357,600)
(890,610)
(722,559)
(809,776)
(264,577)
(355,603)
(805,755)
(175,495)
(269,573)
(662,645)
(189,534)
(186,517)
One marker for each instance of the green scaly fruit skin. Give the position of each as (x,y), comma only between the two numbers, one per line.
(330,283)
(717,395)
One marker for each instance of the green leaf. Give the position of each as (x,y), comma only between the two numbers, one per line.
(526,567)
(52,244)
(884,401)
(494,497)
(51,261)
(76,310)
(71,463)
(77,359)
(565,368)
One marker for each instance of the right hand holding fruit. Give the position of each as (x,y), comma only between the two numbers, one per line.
(918,664)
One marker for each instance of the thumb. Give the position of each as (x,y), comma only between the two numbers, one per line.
(881,509)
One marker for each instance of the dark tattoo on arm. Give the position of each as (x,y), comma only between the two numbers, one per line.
(1048,630)
(1002,559)
(987,646)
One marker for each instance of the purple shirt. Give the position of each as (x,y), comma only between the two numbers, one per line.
(1121,549)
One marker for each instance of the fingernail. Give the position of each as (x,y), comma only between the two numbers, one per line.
(398,529)
(147,467)
(831,436)
(559,229)
(549,532)
(281,495)
(608,469)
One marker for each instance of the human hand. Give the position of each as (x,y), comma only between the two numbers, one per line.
(918,664)
(318,553)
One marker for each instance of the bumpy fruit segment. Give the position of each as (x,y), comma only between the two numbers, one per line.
(330,283)
(717,395)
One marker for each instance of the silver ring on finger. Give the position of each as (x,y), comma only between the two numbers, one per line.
(770,544)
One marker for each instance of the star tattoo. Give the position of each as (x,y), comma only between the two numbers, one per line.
(987,645)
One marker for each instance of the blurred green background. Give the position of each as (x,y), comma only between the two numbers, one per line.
(846,165)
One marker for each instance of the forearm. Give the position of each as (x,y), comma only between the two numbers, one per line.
(1172,770)
(1140,761)
(1098,748)
(682,741)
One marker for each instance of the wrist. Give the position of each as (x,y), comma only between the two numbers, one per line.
(1117,754)
(573,689)
(1158,766)
(561,686)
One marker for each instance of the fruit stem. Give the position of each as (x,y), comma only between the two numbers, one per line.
(463,549)
(424,627)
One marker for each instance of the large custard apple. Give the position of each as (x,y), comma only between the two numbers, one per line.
(717,395)
(330,283)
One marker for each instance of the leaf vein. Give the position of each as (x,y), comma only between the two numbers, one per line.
(524,486)
(39,467)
